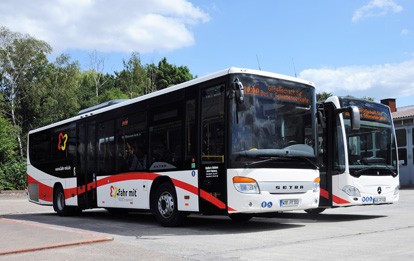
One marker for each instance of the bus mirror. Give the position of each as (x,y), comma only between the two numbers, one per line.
(354,115)
(355,118)
(239,90)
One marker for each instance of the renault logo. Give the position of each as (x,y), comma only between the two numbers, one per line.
(379,190)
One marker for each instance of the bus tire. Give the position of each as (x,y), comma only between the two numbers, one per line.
(164,206)
(59,204)
(314,211)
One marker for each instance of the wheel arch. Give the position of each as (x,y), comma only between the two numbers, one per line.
(156,183)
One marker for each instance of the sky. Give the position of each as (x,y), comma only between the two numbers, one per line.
(363,48)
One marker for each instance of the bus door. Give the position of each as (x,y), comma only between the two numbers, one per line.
(212,178)
(86,165)
(326,141)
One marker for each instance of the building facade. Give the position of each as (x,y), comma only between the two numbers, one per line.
(403,118)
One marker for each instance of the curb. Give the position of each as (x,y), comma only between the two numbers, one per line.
(93,238)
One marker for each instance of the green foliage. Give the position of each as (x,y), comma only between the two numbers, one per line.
(8,146)
(167,74)
(132,80)
(13,175)
(320,97)
(56,98)
(113,94)
(23,62)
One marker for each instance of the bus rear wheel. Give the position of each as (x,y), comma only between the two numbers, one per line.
(164,206)
(59,204)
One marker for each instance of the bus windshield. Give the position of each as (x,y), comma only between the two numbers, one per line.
(371,149)
(275,124)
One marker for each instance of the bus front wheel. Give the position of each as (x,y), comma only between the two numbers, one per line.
(314,211)
(164,206)
(240,218)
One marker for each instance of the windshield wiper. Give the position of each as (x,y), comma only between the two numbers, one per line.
(264,161)
(276,158)
(358,173)
(310,161)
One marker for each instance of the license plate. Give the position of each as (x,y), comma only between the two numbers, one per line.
(289,202)
(379,200)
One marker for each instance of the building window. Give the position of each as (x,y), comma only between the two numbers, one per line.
(402,156)
(401,137)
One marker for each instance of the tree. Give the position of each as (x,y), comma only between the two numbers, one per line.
(320,97)
(97,66)
(56,97)
(23,61)
(7,144)
(12,171)
(132,80)
(167,74)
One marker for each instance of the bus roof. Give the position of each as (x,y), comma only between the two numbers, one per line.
(106,106)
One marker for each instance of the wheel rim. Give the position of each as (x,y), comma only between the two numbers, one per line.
(60,201)
(166,205)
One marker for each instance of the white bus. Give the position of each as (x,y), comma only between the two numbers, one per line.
(357,148)
(238,142)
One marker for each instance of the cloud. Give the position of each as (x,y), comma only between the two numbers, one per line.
(376,8)
(378,81)
(405,32)
(105,25)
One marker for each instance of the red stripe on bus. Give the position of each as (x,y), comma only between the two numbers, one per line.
(339,200)
(335,199)
(324,193)
(47,191)
(210,198)
(185,186)
(203,194)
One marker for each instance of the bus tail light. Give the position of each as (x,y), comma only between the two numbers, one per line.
(246,185)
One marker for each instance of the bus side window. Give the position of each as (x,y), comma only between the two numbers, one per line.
(131,145)
(106,148)
(166,137)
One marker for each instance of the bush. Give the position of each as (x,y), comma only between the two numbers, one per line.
(13,175)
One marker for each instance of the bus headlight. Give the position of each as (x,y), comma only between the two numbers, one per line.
(397,190)
(316,184)
(246,185)
(351,191)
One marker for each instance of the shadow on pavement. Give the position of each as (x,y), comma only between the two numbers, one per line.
(144,224)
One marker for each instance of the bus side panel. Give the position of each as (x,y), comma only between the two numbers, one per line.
(132,190)
(69,186)
(123,191)
(186,187)
(40,187)
(295,189)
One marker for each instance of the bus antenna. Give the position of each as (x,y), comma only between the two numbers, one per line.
(258,63)
(294,68)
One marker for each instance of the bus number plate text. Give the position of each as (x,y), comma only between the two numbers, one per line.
(379,200)
(289,202)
